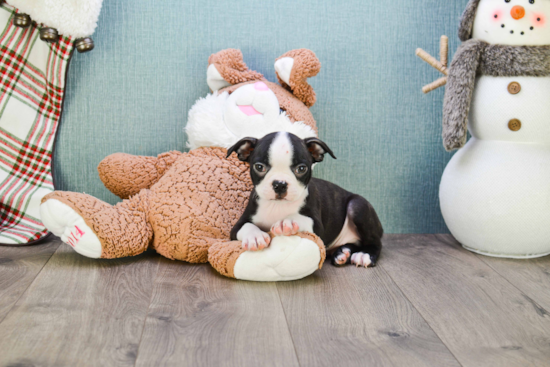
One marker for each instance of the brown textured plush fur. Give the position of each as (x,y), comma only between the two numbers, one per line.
(474,58)
(306,65)
(126,175)
(192,206)
(181,204)
(231,66)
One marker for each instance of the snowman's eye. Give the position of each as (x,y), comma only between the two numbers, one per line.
(531,1)
(507,1)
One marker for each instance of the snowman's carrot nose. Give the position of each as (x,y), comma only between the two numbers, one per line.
(518,12)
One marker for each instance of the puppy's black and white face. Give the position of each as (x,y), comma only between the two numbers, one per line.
(281,164)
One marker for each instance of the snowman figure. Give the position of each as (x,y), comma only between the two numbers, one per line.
(495,191)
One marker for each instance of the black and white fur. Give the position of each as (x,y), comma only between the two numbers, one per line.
(286,200)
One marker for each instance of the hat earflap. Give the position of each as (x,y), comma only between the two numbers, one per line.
(467,22)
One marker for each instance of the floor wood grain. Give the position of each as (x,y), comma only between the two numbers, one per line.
(532,277)
(428,303)
(482,318)
(199,318)
(80,312)
(358,317)
(18,268)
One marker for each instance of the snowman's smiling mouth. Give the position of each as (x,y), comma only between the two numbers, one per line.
(512,31)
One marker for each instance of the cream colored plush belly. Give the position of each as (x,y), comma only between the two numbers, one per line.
(495,198)
(493,106)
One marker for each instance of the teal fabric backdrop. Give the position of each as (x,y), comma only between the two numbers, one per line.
(132,93)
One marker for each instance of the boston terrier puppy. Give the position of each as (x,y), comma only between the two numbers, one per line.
(287,200)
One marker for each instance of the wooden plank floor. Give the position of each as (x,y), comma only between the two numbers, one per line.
(428,303)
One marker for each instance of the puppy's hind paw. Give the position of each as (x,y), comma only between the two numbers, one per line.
(361,259)
(341,257)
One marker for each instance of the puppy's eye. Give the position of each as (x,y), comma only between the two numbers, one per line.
(260,168)
(300,170)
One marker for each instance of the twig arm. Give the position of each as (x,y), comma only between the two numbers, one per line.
(444,51)
(432,61)
(440,65)
(434,85)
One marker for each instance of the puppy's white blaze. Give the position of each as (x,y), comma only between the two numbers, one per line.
(281,153)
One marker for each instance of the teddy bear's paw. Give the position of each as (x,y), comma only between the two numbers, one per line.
(361,259)
(67,224)
(287,258)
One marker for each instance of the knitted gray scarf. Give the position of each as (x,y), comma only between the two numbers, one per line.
(475,58)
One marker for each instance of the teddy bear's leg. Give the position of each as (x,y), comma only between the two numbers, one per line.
(191,242)
(125,175)
(287,258)
(96,229)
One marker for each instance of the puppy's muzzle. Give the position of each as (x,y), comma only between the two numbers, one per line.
(280,188)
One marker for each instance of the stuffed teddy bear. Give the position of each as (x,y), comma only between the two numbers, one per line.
(185,204)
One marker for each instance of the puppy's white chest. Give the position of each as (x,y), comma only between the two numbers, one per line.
(270,212)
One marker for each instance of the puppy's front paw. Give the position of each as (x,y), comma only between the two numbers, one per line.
(362,259)
(285,227)
(256,241)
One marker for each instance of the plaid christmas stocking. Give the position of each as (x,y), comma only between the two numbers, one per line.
(34,61)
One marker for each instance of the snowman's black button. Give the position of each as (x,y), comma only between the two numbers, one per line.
(514,125)
(514,88)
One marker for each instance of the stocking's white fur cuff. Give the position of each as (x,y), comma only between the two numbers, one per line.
(77,18)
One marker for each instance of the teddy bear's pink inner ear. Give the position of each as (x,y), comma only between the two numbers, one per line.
(214,79)
(226,68)
(293,69)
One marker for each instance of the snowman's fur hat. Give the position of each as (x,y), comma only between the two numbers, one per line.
(467,22)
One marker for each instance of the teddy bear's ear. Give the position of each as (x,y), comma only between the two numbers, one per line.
(227,68)
(293,69)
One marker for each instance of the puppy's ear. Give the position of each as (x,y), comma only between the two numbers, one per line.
(243,148)
(318,149)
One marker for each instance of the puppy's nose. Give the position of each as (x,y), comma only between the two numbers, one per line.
(518,12)
(279,187)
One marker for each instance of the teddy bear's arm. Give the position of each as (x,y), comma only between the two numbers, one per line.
(125,174)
